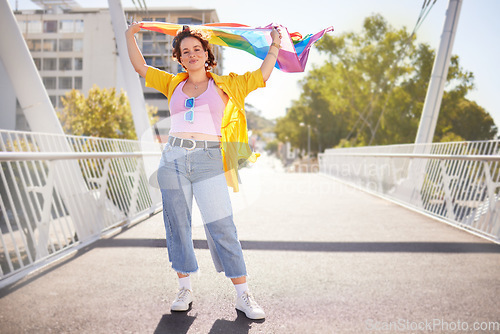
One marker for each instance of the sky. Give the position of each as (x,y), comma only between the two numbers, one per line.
(477,41)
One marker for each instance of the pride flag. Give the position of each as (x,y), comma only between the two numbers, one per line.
(292,56)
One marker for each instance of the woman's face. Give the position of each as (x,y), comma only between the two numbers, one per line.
(193,56)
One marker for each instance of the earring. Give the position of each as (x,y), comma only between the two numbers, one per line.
(206,64)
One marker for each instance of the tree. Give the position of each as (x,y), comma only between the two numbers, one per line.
(104,113)
(256,122)
(371,90)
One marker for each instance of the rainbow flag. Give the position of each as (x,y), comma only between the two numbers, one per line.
(292,56)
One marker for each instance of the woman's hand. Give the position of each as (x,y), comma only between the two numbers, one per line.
(134,53)
(276,35)
(133,28)
(272,56)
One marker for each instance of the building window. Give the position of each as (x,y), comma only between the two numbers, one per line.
(188,20)
(147,47)
(49,82)
(154,96)
(50,26)
(38,63)
(158,62)
(78,45)
(160,37)
(50,45)
(78,83)
(65,64)
(164,48)
(163,113)
(66,26)
(78,25)
(34,44)
(22,26)
(78,64)
(65,82)
(65,44)
(53,100)
(34,27)
(49,64)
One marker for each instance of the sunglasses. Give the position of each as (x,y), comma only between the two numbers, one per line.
(189,115)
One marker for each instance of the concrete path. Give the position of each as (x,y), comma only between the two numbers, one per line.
(322,258)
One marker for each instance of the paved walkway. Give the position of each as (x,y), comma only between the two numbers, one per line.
(322,258)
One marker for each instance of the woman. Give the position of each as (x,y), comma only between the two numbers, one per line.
(208,133)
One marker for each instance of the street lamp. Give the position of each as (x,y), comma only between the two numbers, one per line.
(308,138)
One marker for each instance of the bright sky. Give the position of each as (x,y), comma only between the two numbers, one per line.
(477,41)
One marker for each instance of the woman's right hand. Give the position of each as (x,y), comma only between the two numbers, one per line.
(134,53)
(133,28)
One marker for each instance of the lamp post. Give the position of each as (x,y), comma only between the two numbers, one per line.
(308,138)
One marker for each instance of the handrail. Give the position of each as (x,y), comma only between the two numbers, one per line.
(27,156)
(456,182)
(420,156)
(59,193)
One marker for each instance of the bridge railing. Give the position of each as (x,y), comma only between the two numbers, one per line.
(59,193)
(458,182)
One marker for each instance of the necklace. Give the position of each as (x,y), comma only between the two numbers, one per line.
(195,85)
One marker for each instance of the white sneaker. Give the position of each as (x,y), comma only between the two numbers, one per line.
(247,304)
(182,300)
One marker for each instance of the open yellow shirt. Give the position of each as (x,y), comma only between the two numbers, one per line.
(234,133)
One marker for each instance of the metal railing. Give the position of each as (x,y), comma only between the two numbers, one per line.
(59,193)
(458,183)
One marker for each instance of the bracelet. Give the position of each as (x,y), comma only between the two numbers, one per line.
(275,45)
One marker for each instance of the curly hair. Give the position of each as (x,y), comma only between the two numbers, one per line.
(198,34)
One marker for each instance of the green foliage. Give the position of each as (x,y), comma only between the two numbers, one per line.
(104,113)
(256,122)
(272,146)
(152,114)
(372,89)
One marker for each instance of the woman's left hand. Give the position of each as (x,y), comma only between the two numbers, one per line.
(272,56)
(276,35)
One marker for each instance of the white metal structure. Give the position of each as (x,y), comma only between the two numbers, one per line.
(432,104)
(36,225)
(458,182)
(132,82)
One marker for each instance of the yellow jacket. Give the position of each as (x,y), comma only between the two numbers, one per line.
(234,133)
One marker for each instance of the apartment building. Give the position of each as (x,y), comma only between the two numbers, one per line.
(74,48)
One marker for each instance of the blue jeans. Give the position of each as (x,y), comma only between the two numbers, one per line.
(183,174)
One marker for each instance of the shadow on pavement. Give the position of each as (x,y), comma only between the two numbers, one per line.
(342,247)
(176,322)
(180,322)
(241,325)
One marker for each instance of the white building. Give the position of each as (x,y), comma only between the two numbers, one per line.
(74,47)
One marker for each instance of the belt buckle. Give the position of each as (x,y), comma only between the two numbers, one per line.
(192,142)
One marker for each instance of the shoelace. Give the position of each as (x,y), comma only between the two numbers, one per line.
(182,295)
(248,298)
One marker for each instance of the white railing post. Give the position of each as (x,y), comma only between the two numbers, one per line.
(43,224)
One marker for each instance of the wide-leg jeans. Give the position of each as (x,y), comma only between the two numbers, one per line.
(182,175)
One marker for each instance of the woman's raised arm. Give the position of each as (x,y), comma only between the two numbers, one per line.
(272,56)
(134,53)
